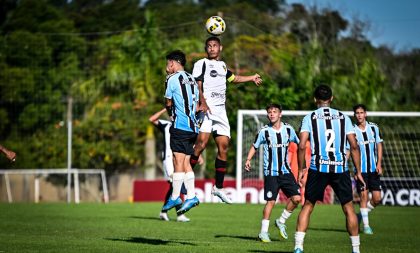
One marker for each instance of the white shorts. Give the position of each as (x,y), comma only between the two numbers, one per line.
(216,122)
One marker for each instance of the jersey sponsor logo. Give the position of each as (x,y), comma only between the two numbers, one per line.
(217,95)
(188,81)
(328,162)
(213,73)
(280,145)
(366,142)
(333,117)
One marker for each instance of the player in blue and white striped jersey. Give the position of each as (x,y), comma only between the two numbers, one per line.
(328,130)
(167,162)
(370,143)
(275,139)
(181,104)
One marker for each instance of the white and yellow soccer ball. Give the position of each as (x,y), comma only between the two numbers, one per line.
(215,25)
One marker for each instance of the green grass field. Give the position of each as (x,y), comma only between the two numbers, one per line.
(214,228)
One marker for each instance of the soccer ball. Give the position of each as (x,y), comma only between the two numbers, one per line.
(215,25)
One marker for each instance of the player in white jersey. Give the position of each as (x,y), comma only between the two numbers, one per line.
(167,161)
(212,74)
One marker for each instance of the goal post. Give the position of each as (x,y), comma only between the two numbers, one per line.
(36,173)
(401,150)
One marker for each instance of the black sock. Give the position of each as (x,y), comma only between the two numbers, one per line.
(220,172)
(193,160)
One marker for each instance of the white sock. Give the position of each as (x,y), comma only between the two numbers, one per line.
(299,237)
(284,216)
(189,182)
(370,206)
(264,226)
(355,243)
(178,179)
(365,216)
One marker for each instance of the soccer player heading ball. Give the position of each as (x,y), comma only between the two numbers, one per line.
(212,74)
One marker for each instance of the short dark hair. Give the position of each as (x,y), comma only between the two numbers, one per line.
(359,106)
(273,105)
(213,38)
(177,56)
(323,92)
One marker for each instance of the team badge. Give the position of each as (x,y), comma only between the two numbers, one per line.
(269,194)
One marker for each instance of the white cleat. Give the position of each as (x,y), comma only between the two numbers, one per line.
(221,194)
(182,218)
(164,216)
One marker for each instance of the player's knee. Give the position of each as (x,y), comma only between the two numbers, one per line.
(223,148)
(200,145)
(296,199)
(376,200)
(270,203)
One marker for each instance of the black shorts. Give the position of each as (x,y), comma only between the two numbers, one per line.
(318,181)
(285,182)
(372,181)
(182,141)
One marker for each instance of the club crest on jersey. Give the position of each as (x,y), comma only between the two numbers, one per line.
(213,73)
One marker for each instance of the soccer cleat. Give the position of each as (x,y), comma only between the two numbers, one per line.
(172,203)
(188,204)
(182,218)
(298,250)
(221,194)
(368,230)
(264,237)
(282,229)
(163,216)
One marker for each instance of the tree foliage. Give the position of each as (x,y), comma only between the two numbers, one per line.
(109,56)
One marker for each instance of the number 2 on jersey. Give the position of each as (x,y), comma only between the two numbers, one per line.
(330,134)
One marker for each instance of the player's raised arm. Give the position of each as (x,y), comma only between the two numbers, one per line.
(155,117)
(256,78)
(8,153)
(251,154)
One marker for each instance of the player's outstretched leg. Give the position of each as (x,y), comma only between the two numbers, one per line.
(217,189)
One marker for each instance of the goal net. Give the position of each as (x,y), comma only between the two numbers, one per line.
(401,150)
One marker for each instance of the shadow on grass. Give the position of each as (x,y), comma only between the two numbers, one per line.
(329,229)
(269,251)
(237,237)
(145,217)
(150,241)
